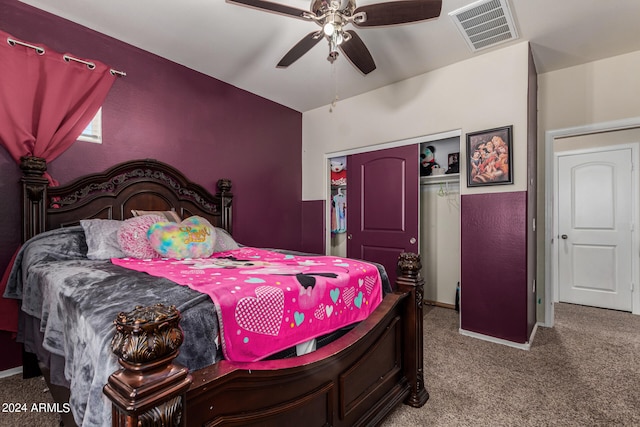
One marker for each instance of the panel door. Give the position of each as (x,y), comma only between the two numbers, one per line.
(383,205)
(594,224)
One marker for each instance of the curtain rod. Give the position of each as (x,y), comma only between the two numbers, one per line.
(41,51)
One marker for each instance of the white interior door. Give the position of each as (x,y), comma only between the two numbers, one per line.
(595,211)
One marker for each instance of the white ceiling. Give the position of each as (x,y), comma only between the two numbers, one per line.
(241,45)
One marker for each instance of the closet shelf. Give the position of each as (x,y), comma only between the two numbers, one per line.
(439,179)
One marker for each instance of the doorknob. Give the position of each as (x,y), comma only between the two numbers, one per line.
(412,240)
(564,236)
(349,236)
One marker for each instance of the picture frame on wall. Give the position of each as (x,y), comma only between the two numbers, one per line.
(489,157)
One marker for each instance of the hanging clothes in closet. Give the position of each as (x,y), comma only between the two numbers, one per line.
(339,212)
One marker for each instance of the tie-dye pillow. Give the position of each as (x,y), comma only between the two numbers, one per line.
(192,238)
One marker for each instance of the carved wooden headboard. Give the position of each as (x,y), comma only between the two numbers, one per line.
(138,184)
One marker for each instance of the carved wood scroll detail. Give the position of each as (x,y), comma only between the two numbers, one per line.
(119,181)
(167,414)
(33,166)
(410,266)
(34,192)
(147,334)
(224,185)
(150,389)
(410,280)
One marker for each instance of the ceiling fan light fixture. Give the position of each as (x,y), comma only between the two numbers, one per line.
(333,15)
(336,39)
(329,29)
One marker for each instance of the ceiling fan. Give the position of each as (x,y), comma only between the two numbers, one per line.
(334,15)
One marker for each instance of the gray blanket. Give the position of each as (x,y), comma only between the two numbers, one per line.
(76,300)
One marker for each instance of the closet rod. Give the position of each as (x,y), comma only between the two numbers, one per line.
(439,181)
(40,51)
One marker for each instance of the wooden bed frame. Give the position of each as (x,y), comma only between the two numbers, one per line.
(333,386)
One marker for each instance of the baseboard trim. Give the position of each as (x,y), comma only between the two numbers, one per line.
(533,333)
(11,372)
(523,346)
(440,304)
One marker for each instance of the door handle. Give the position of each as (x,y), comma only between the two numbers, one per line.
(412,240)
(564,236)
(349,236)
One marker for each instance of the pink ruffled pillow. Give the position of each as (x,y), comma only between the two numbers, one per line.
(194,237)
(132,236)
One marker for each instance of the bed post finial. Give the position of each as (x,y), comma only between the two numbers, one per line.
(224,192)
(224,185)
(410,280)
(151,387)
(34,195)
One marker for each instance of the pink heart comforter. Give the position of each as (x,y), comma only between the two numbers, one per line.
(269,301)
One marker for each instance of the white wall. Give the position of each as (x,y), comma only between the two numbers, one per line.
(598,92)
(597,140)
(485,92)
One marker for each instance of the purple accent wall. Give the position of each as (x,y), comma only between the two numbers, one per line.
(202,126)
(493,284)
(313,226)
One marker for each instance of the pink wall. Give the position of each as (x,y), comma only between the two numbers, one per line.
(162,110)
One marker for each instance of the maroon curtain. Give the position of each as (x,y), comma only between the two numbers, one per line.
(46,101)
(45,104)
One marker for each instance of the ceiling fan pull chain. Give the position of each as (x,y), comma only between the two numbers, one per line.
(334,83)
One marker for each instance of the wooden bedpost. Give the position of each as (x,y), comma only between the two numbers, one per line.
(34,196)
(224,192)
(410,281)
(150,389)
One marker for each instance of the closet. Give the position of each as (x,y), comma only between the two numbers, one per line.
(338,203)
(440,224)
(439,218)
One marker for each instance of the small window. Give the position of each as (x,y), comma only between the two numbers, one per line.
(93,132)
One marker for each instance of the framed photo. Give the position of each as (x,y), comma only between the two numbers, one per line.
(489,157)
(453,163)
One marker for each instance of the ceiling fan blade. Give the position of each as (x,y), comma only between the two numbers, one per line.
(275,7)
(355,50)
(302,47)
(398,12)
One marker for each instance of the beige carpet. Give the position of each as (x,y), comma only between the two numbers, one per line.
(23,394)
(583,372)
